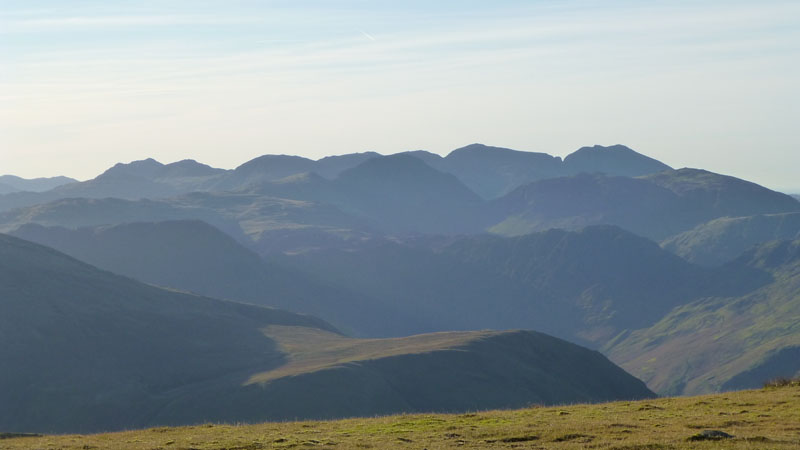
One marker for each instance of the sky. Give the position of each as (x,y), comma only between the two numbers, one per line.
(708,84)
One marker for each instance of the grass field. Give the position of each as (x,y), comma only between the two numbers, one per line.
(758,419)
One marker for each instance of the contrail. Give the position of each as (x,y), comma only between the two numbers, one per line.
(369,36)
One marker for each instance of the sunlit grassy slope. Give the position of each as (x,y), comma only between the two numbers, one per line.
(760,419)
(724,343)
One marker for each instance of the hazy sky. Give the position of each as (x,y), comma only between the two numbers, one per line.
(711,84)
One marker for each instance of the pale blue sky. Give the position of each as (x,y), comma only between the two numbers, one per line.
(85,84)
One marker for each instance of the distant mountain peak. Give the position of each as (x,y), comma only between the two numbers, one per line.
(609,148)
(356,155)
(478,148)
(145,168)
(396,167)
(615,159)
(264,160)
(189,168)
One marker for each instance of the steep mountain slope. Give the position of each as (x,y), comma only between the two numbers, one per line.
(607,279)
(724,342)
(656,206)
(86,350)
(721,240)
(584,286)
(193,256)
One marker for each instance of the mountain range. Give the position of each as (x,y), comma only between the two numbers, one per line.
(353,285)
(488,171)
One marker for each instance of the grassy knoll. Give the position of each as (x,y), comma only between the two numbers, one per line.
(759,419)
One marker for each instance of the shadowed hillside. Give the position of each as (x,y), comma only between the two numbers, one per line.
(194,256)
(584,286)
(86,350)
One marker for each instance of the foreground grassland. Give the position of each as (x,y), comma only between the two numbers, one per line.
(761,419)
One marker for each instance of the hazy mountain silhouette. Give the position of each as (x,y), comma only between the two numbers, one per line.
(613,160)
(721,240)
(403,193)
(724,342)
(82,212)
(331,166)
(656,206)
(145,179)
(88,350)
(193,256)
(247,216)
(495,171)
(397,193)
(489,171)
(13,183)
(268,168)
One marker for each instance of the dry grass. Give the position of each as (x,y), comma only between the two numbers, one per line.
(312,349)
(763,419)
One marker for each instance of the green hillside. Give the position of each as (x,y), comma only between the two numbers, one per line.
(721,240)
(723,343)
(763,419)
